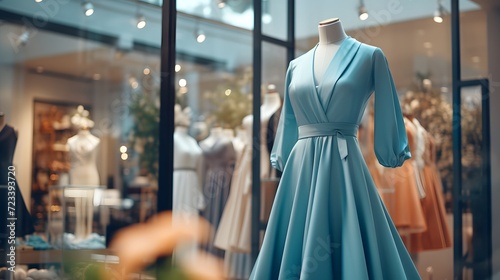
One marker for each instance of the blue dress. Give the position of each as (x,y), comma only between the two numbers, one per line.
(327,220)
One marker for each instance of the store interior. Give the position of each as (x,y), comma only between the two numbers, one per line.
(108,65)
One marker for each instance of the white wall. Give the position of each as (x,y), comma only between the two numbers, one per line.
(494,76)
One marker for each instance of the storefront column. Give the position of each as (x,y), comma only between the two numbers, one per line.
(493,22)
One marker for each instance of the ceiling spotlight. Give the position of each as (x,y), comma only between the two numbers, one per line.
(362,11)
(88,8)
(38,1)
(439,13)
(141,21)
(221,4)
(200,36)
(178,67)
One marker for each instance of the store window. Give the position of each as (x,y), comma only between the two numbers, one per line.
(416,39)
(80,104)
(80,101)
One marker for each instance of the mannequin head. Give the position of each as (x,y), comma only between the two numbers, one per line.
(182,117)
(271,88)
(81,119)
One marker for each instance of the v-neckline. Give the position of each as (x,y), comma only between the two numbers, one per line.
(318,86)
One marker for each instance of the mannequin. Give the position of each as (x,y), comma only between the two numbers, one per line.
(219,157)
(83,172)
(239,141)
(331,34)
(228,133)
(325,194)
(233,234)
(83,152)
(188,198)
(216,133)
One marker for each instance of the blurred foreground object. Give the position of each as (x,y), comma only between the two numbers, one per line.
(140,245)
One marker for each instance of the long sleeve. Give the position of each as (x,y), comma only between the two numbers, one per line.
(391,142)
(287,133)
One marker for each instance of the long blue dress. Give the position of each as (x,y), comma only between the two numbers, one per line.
(327,220)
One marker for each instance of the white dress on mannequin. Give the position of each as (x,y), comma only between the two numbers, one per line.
(188,197)
(83,157)
(83,173)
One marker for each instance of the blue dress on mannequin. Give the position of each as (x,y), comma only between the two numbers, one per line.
(328,221)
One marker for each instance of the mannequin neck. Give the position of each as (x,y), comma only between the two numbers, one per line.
(271,99)
(240,133)
(216,132)
(331,33)
(229,133)
(83,132)
(183,130)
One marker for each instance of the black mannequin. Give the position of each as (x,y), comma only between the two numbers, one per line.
(24,224)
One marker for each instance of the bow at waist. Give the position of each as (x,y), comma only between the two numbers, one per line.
(339,129)
(328,129)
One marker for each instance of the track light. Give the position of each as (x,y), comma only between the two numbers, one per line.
(221,4)
(200,36)
(362,11)
(88,8)
(439,13)
(141,21)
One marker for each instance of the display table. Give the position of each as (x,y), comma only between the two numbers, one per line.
(56,256)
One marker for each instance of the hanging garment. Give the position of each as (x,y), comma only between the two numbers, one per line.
(366,140)
(405,207)
(219,167)
(328,221)
(234,232)
(437,236)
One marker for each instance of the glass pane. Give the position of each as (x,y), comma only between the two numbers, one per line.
(79,90)
(235,13)
(213,138)
(274,65)
(473,44)
(274,18)
(418,50)
(472,163)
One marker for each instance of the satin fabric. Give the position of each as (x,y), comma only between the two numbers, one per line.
(328,221)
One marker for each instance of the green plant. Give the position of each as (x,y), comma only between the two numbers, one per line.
(145,109)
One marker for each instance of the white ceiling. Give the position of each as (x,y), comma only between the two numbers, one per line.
(228,45)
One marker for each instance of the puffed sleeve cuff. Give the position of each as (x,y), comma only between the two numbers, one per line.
(277,162)
(397,160)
